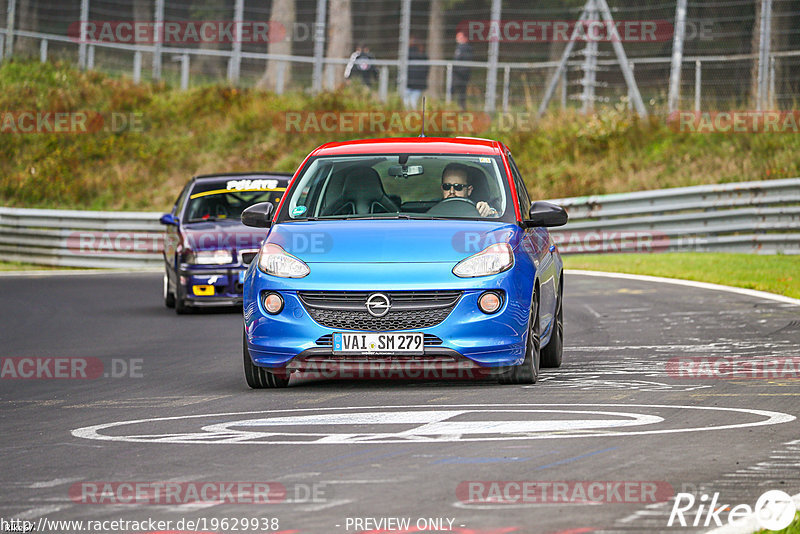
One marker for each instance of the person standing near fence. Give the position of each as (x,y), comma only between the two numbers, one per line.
(417,74)
(461,74)
(360,66)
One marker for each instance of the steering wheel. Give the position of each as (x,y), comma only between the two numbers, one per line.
(463,199)
(455,207)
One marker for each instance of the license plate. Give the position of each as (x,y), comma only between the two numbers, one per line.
(375,343)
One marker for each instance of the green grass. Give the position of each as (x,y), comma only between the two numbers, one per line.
(217,128)
(775,274)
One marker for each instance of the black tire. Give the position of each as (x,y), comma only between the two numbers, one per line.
(169,296)
(180,301)
(528,371)
(551,354)
(258,377)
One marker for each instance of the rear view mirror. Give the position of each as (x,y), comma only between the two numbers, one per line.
(405,171)
(546,214)
(258,215)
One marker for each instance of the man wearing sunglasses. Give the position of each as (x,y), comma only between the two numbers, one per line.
(455,183)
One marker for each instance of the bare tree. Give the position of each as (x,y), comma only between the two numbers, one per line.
(282,16)
(340,38)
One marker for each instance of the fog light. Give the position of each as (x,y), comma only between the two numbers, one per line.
(273,303)
(489,302)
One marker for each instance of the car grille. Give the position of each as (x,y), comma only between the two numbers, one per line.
(410,310)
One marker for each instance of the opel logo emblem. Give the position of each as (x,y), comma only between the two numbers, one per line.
(378,305)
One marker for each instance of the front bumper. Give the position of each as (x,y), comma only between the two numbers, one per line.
(467,336)
(211,286)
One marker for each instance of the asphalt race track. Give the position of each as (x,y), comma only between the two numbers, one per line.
(342,455)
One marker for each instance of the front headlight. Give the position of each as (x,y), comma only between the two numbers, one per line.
(491,260)
(209,257)
(277,262)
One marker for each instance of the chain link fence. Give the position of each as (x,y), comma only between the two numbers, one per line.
(515,46)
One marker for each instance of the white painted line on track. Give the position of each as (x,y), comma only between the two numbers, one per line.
(746,525)
(254,437)
(690,283)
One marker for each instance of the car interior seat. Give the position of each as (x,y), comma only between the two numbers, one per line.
(361,193)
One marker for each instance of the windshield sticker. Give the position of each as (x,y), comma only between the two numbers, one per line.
(252,185)
(298,211)
(484,160)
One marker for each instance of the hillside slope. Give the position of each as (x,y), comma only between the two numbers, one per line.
(217,128)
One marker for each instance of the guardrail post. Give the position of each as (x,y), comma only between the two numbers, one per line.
(698,73)
(383,83)
(43,51)
(448,92)
(137,66)
(506,87)
(10,16)
(158,36)
(83,34)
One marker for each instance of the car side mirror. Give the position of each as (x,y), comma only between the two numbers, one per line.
(169,219)
(546,214)
(258,215)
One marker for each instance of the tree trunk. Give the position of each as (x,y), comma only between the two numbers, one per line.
(436,41)
(282,16)
(340,40)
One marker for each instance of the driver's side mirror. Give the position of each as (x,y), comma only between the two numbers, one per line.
(169,219)
(258,215)
(546,214)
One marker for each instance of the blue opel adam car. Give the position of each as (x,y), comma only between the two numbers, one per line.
(206,247)
(421,251)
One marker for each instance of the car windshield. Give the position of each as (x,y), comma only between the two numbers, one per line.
(400,186)
(227,199)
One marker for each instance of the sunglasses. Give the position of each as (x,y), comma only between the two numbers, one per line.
(457,187)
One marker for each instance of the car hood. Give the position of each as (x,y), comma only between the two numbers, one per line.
(389,241)
(228,234)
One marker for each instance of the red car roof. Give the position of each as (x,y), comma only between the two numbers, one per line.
(399,145)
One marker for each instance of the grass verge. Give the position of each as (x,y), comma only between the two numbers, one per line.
(775,274)
(218,128)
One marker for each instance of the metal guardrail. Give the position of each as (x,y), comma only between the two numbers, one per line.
(754,217)
(69,238)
